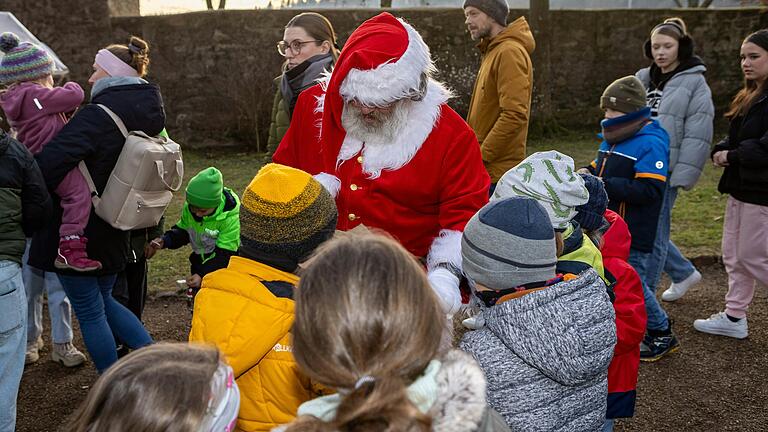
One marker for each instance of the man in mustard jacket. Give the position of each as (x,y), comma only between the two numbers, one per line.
(501,101)
(246,309)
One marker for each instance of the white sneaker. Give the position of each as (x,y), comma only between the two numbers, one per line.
(33,351)
(719,324)
(677,290)
(67,355)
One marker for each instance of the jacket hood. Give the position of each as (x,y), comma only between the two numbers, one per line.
(518,31)
(617,239)
(13,99)
(247,329)
(566,330)
(451,391)
(139,106)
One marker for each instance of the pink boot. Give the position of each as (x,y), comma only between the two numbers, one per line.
(73,256)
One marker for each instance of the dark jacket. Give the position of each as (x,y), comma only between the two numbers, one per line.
(746,177)
(24,201)
(92,136)
(634,172)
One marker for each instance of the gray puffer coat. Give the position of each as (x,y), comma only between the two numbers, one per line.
(546,354)
(686,112)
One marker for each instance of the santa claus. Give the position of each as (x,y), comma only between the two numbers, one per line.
(380,137)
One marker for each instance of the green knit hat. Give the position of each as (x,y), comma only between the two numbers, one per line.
(626,95)
(206,188)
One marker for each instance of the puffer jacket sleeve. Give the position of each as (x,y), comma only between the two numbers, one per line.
(697,137)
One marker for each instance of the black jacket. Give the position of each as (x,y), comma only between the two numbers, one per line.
(746,177)
(24,201)
(92,136)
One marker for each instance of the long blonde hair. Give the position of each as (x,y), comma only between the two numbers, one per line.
(159,388)
(364,308)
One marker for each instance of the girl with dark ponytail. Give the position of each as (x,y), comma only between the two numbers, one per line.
(378,346)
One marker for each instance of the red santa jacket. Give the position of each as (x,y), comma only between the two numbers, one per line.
(630,318)
(428,199)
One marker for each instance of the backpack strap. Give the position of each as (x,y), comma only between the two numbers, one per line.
(116,119)
(89,181)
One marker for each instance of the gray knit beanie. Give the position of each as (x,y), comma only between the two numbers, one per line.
(496,9)
(509,243)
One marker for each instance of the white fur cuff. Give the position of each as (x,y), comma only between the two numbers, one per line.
(330,182)
(446,248)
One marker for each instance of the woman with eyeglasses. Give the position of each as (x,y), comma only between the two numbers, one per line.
(309,47)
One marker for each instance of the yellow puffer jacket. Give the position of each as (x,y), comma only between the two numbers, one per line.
(501,101)
(245,311)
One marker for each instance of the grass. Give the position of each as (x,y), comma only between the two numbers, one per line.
(696,221)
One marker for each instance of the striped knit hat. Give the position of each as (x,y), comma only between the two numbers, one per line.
(22,61)
(285,215)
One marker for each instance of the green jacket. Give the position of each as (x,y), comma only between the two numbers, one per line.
(219,230)
(578,248)
(281,119)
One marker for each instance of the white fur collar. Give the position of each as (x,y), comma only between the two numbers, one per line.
(461,401)
(421,120)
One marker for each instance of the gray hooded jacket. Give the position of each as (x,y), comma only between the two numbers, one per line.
(545,356)
(686,112)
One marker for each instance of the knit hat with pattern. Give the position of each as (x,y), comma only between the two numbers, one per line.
(498,10)
(590,214)
(22,61)
(205,189)
(285,215)
(509,243)
(549,178)
(626,95)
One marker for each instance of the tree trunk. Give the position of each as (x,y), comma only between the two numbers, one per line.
(209,3)
(222,4)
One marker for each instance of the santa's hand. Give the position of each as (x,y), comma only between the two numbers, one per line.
(446,286)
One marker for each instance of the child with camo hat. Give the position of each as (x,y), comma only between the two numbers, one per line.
(210,223)
(633,163)
(36,111)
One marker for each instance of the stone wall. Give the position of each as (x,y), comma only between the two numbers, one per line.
(216,68)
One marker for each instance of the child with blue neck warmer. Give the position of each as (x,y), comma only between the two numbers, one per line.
(632,162)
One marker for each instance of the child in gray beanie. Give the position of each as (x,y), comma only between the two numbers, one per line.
(543,373)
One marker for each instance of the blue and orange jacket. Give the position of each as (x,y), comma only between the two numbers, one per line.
(629,305)
(634,172)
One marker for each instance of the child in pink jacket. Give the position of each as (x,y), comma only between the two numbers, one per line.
(37,111)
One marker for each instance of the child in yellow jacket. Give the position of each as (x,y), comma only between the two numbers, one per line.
(247,309)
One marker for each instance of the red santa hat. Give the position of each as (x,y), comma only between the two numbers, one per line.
(381,62)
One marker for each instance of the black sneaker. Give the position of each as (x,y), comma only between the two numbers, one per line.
(655,347)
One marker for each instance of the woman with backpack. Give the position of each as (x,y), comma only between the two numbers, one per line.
(93,137)
(309,47)
(680,99)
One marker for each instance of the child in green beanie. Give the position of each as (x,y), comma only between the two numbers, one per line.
(210,223)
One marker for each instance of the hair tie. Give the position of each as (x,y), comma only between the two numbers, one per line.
(134,49)
(365,379)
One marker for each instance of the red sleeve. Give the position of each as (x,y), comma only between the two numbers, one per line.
(630,307)
(464,182)
(300,145)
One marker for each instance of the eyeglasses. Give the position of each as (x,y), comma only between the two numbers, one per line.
(295,46)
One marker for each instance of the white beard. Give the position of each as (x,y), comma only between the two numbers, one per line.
(390,126)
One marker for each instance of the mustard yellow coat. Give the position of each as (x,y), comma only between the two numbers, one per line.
(237,311)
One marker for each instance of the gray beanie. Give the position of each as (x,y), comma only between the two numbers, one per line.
(496,9)
(509,243)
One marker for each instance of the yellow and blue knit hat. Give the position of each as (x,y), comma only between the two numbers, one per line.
(285,214)
(22,61)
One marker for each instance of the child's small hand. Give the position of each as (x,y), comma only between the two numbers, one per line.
(157,243)
(194,281)
(583,171)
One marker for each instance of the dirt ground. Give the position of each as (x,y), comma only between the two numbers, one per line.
(711,384)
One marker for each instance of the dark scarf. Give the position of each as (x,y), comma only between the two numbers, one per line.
(618,129)
(301,77)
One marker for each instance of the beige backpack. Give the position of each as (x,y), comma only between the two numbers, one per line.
(147,172)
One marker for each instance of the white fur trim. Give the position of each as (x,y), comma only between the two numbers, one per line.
(421,120)
(461,395)
(330,182)
(446,248)
(392,80)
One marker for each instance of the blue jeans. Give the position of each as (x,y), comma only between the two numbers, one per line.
(657,317)
(59,309)
(666,256)
(608,425)
(102,318)
(13,340)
